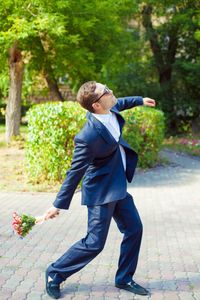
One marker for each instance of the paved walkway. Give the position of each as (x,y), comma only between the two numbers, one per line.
(168,199)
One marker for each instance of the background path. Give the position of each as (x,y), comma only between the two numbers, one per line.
(168,199)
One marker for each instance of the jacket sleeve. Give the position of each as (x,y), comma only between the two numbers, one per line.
(82,157)
(128,102)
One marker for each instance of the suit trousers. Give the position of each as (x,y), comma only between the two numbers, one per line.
(81,253)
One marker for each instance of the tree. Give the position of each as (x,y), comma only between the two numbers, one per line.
(163,58)
(19,27)
(171,38)
(59,38)
(13,109)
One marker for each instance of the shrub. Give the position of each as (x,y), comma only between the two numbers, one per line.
(52,127)
(144,131)
(49,147)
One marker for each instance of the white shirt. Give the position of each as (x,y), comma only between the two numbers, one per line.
(111,123)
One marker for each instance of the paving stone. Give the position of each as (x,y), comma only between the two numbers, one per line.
(5,293)
(34,296)
(186,296)
(168,202)
(196,295)
(12,284)
(158,296)
(80,297)
(19,295)
(172,295)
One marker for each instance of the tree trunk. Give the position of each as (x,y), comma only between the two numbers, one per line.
(165,75)
(13,108)
(164,61)
(48,73)
(53,87)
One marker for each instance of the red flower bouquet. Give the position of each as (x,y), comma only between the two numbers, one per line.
(22,224)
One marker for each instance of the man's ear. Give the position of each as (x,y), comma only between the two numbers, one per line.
(95,106)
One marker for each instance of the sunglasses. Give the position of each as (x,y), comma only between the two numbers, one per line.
(105,92)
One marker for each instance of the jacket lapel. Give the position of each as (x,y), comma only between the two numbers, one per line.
(119,118)
(101,129)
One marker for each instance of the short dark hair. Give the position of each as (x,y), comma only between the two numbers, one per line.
(86,95)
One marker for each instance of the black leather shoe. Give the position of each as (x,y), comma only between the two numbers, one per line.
(133,287)
(53,289)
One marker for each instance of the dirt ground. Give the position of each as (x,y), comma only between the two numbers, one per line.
(12,170)
(12,176)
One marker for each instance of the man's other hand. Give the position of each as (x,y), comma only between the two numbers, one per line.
(51,213)
(149,102)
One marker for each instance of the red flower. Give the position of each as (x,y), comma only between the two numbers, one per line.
(22,224)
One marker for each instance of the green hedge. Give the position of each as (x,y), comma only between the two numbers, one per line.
(144,131)
(53,125)
(49,147)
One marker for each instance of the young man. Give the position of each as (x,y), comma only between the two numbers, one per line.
(107,162)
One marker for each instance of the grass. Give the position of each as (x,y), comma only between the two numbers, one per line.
(23,129)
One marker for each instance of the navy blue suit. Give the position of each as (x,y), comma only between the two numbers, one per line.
(97,159)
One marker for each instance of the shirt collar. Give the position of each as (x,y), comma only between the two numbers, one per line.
(105,118)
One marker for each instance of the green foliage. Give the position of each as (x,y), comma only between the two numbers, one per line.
(104,40)
(173,23)
(51,131)
(144,131)
(27,224)
(67,39)
(186,90)
(4,83)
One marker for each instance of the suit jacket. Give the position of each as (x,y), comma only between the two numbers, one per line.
(97,159)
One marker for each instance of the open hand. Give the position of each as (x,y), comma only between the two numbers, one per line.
(149,102)
(51,213)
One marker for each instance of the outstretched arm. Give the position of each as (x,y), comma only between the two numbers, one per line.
(82,157)
(130,102)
